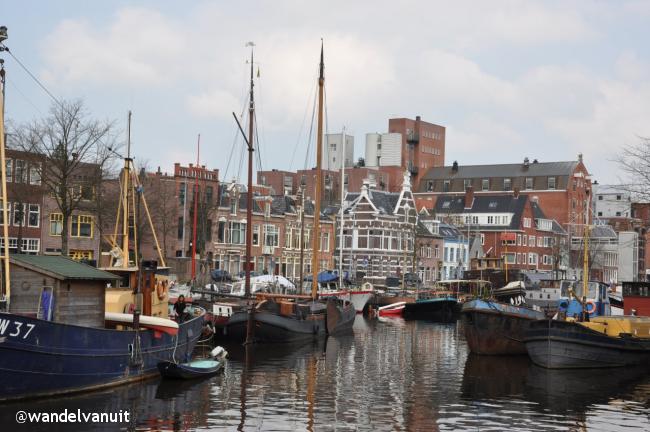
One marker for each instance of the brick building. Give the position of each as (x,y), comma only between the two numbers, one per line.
(511,226)
(378,233)
(562,189)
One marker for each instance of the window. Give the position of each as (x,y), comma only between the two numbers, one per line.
(237,233)
(445,185)
(182,188)
(208,194)
(531,241)
(467,183)
(540,241)
(34,216)
(507,184)
(618,213)
(81,226)
(524,240)
(618,197)
(490,220)
(9,166)
(485,184)
(551,182)
(482,239)
(180,228)
(287,238)
(233,206)
(325,242)
(429,185)
(600,213)
(532,258)
(208,229)
(271,235)
(518,239)
(19,214)
(600,197)
(34,175)
(256,235)
(30,245)
(20,175)
(221,232)
(527,222)
(56,224)
(78,255)
(529,182)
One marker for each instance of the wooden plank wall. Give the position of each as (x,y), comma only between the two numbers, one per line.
(26,287)
(80,303)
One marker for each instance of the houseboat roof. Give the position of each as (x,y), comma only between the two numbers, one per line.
(60,267)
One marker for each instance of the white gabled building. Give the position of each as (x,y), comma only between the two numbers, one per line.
(378,232)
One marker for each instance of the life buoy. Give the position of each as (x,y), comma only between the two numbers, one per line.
(160,289)
(593,306)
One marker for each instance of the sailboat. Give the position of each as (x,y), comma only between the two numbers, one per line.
(114,335)
(582,336)
(281,318)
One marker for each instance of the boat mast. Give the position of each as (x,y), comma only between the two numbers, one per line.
(249,195)
(341,220)
(319,151)
(585,266)
(125,197)
(6,291)
(302,235)
(196,202)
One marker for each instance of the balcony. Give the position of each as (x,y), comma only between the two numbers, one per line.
(413,138)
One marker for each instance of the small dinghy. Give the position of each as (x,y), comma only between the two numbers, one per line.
(395,309)
(194,369)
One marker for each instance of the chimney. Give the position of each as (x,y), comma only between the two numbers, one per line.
(580,157)
(469,197)
(191,165)
(535,161)
(526,163)
(515,193)
(454,167)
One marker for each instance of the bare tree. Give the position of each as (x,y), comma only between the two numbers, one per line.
(634,161)
(77,152)
(163,204)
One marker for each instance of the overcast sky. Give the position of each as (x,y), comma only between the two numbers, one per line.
(508,79)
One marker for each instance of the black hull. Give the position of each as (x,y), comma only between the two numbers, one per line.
(568,345)
(495,334)
(54,358)
(181,371)
(438,311)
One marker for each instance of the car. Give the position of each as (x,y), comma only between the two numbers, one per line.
(393,281)
(220,275)
(412,279)
(242,274)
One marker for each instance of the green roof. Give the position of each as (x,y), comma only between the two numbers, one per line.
(61,267)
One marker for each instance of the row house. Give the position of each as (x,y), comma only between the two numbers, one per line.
(429,246)
(563,189)
(276,240)
(34,219)
(602,254)
(512,227)
(378,233)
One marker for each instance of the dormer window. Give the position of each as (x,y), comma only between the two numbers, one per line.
(485,184)
(551,182)
(529,183)
(445,185)
(507,184)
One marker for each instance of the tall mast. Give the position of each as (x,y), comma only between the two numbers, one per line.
(249,195)
(319,151)
(585,265)
(196,206)
(4,293)
(341,220)
(125,196)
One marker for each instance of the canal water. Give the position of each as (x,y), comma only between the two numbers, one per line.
(388,375)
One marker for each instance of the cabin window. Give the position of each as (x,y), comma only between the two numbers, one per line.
(56,224)
(34,217)
(81,226)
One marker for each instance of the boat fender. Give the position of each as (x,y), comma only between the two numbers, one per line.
(593,307)
(160,289)
(367,286)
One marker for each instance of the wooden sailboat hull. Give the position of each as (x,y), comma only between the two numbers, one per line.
(436,309)
(567,345)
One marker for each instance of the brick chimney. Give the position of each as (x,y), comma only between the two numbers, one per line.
(469,197)
(515,192)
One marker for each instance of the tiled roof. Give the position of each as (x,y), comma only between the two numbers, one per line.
(452,204)
(501,170)
(384,201)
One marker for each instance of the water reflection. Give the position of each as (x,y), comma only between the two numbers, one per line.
(387,375)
